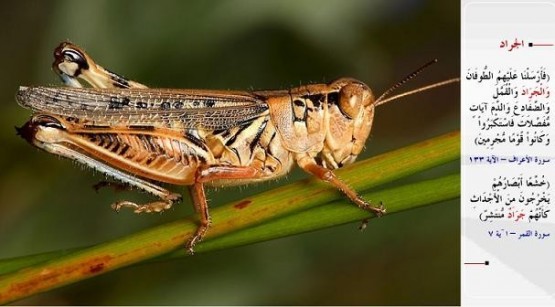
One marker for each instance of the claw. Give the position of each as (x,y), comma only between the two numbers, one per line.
(363,204)
(363,224)
(378,211)
(190,245)
(198,236)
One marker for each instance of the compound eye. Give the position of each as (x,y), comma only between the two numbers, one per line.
(350,99)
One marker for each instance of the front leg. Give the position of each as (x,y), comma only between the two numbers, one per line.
(309,165)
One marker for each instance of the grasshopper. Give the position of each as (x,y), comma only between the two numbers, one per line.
(143,136)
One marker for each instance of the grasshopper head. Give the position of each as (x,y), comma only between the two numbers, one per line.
(353,96)
(350,113)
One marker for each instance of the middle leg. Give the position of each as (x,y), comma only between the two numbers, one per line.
(210,174)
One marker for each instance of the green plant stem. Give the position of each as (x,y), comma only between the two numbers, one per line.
(337,213)
(88,262)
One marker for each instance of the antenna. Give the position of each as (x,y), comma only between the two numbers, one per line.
(381,99)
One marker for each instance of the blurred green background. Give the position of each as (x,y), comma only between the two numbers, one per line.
(48,204)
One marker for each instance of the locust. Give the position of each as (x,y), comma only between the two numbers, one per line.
(144,137)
